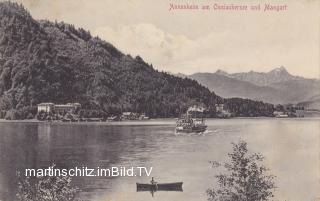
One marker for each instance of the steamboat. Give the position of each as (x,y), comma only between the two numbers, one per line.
(192,122)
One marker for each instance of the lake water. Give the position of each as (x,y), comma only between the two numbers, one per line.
(291,148)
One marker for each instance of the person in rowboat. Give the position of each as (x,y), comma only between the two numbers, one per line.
(155,187)
(153,181)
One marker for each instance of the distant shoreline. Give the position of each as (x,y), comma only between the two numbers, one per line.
(21,121)
(160,121)
(129,122)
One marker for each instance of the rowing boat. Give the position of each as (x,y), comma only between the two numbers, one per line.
(177,186)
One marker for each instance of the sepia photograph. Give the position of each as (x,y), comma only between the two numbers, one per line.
(139,100)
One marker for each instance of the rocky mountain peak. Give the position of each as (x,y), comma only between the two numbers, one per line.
(280,71)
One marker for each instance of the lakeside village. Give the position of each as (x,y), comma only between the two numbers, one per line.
(73,112)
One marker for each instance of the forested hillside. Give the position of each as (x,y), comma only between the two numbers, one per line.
(42,61)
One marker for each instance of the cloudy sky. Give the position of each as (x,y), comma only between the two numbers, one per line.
(191,41)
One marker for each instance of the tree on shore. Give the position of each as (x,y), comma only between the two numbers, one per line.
(245,178)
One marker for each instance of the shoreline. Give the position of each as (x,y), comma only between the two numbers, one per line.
(158,121)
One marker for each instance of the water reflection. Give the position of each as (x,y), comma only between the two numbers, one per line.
(16,150)
(291,148)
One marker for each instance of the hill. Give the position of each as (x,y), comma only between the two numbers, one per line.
(43,61)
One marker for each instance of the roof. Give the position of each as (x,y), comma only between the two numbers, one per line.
(73,104)
(45,104)
(63,105)
(60,105)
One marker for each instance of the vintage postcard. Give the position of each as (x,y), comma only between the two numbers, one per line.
(139,100)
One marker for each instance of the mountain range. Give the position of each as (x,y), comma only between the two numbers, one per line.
(277,86)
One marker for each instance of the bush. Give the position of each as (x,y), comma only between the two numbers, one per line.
(8,115)
(2,114)
(12,115)
(46,189)
(246,179)
(22,113)
(30,116)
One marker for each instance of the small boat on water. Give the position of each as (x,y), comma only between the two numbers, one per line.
(177,186)
(190,125)
(192,122)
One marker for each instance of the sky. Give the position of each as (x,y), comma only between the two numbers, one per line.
(190,41)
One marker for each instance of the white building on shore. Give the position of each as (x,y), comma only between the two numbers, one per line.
(45,107)
(60,108)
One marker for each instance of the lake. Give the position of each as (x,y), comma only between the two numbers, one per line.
(291,148)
